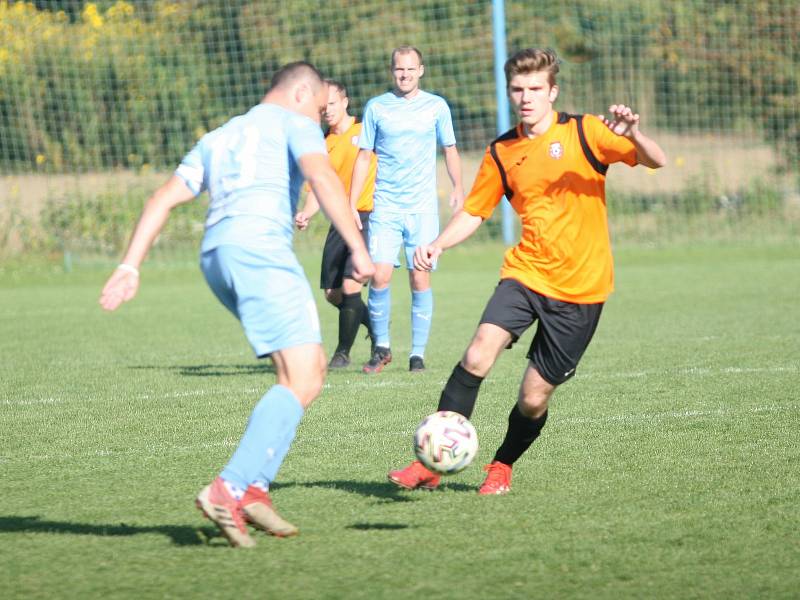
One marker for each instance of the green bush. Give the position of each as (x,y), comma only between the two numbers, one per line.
(122,84)
(102,223)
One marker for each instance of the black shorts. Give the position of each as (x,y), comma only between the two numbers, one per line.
(564,332)
(336,263)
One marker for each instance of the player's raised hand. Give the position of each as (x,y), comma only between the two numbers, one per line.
(425,257)
(622,120)
(363,268)
(120,287)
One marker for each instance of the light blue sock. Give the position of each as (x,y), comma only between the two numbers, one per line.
(268,435)
(421,315)
(269,470)
(379,303)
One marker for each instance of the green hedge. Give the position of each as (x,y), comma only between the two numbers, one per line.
(88,86)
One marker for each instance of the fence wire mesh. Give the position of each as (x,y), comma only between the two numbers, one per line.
(99,101)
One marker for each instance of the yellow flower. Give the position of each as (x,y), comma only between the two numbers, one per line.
(41,159)
(91,16)
(120,9)
(166,9)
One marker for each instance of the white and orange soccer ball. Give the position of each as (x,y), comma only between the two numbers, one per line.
(446,442)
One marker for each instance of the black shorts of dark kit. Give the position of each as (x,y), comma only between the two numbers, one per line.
(336,261)
(564,332)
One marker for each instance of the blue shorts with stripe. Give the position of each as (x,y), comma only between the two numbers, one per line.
(389,231)
(268,292)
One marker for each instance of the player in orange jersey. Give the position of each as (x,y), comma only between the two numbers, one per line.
(552,168)
(341,290)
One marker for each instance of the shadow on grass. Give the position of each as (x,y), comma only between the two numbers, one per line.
(377,526)
(384,491)
(181,535)
(212,370)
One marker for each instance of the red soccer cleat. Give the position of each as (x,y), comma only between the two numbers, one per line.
(258,511)
(415,476)
(218,505)
(380,358)
(498,479)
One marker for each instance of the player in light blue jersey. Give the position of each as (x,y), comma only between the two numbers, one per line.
(402,128)
(253,168)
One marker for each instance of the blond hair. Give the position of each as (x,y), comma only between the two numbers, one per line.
(532,60)
(406,50)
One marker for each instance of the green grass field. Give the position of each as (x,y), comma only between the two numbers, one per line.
(668,468)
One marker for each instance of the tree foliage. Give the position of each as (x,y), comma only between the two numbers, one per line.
(106,84)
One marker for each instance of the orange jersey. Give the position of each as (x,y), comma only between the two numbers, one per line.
(343,149)
(558,189)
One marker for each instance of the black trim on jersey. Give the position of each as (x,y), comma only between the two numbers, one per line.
(511,134)
(564,118)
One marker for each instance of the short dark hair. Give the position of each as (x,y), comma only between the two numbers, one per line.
(532,60)
(406,50)
(291,72)
(338,85)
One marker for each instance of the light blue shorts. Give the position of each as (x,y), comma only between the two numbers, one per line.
(388,231)
(268,292)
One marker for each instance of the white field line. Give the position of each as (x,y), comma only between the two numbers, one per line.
(31,401)
(162,449)
(681,414)
(374,382)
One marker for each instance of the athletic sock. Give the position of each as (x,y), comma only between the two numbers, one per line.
(261,485)
(460,392)
(365,320)
(234,490)
(350,311)
(267,437)
(521,433)
(269,469)
(421,313)
(380,304)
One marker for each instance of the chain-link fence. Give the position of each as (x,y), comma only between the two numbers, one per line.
(99,101)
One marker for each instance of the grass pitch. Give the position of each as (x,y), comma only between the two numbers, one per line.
(668,468)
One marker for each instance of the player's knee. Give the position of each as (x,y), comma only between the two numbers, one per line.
(382,277)
(533,403)
(308,387)
(476,360)
(334,296)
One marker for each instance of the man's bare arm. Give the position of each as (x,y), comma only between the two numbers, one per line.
(452,161)
(359,180)
(329,191)
(460,227)
(123,283)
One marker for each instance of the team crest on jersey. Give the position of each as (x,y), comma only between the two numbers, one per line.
(354,140)
(556,150)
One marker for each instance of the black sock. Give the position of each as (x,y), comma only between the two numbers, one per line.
(461,392)
(350,311)
(365,318)
(521,433)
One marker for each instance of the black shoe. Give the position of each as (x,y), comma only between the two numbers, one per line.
(380,358)
(416,364)
(339,360)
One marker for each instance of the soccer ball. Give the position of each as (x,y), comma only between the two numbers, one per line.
(445,442)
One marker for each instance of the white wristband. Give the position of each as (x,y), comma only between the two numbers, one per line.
(128,268)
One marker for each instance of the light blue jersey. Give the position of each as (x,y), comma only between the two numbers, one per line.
(249,167)
(403,134)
